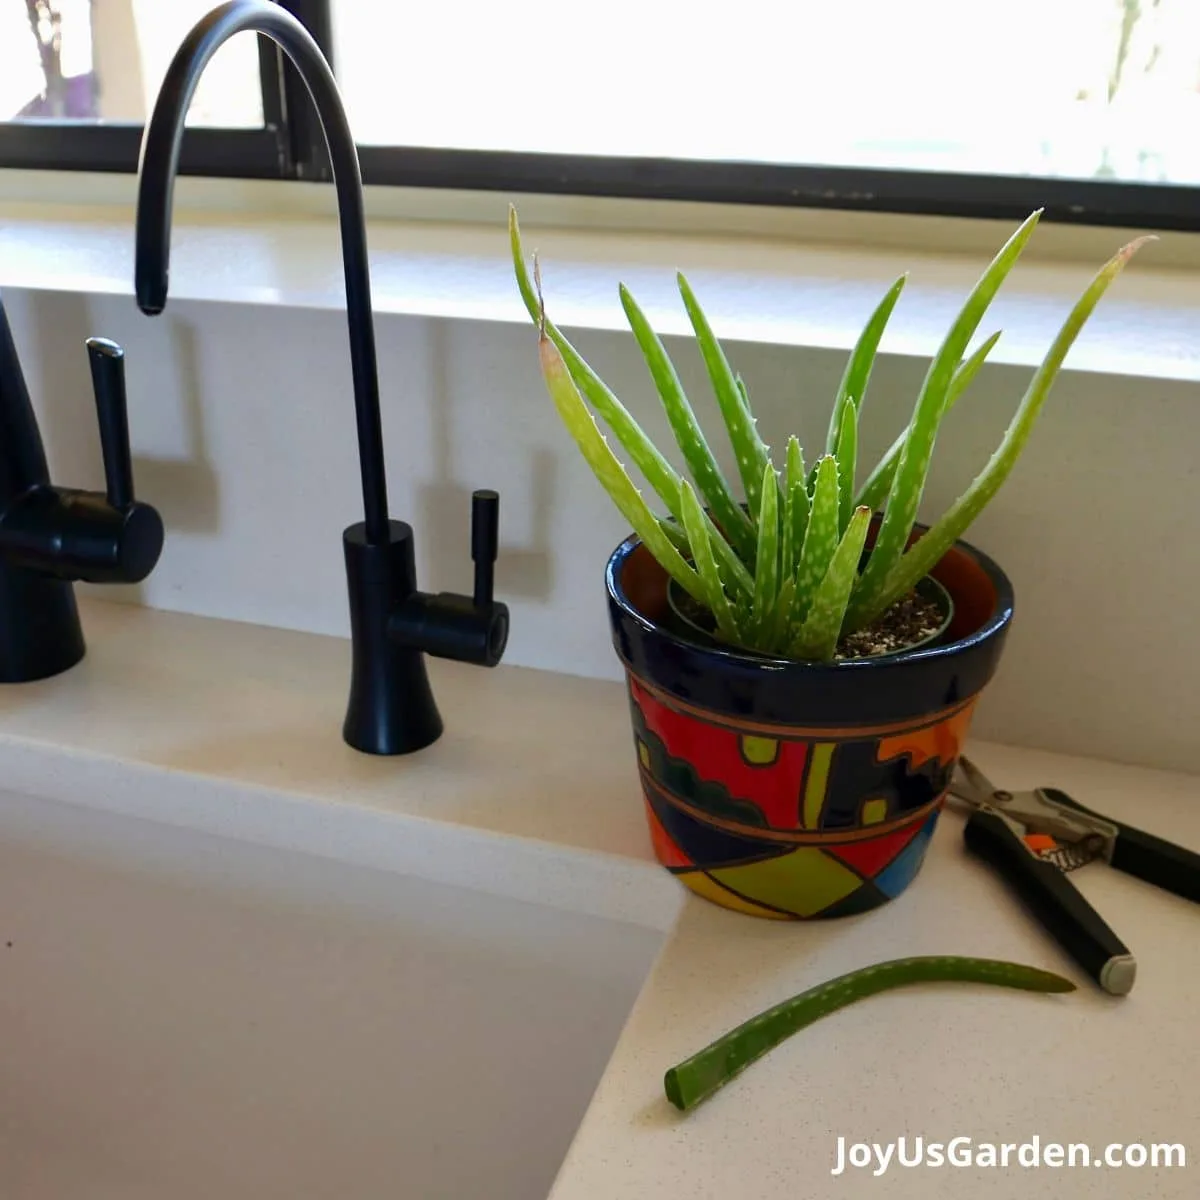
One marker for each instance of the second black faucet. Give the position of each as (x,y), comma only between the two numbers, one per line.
(51,536)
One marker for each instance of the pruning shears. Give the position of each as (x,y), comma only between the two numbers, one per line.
(1033,838)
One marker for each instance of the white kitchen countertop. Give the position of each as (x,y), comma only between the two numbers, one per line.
(936,1061)
(532,793)
(235,730)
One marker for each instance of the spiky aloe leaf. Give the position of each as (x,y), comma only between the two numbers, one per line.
(818,636)
(778,627)
(820,537)
(658,472)
(748,448)
(706,565)
(846,454)
(734,572)
(909,481)
(924,555)
(795,509)
(875,490)
(766,572)
(745,395)
(674,532)
(737,577)
(743,615)
(858,367)
(607,468)
(694,445)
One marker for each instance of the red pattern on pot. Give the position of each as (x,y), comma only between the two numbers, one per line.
(785,824)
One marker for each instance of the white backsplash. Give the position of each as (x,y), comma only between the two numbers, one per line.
(243,434)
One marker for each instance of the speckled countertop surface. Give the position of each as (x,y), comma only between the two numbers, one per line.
(532,793)
(937,1061)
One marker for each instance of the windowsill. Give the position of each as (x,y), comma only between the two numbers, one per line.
(801,280)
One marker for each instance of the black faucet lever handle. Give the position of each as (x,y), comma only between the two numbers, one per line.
(108,382)
(485,542)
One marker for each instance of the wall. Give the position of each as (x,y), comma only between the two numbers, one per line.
(243,435)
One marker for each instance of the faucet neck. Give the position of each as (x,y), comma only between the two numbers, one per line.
(160,162)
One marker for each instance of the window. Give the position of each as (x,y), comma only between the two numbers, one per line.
(78,60)
(78,78)
(980,107)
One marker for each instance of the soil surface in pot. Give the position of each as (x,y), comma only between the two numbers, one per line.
(909,621)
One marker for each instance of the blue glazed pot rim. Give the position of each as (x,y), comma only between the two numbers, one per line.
(904,685)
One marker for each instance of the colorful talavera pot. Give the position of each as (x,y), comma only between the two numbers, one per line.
(796,789)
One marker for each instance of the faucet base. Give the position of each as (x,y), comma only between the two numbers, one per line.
(40,634)
(391,709)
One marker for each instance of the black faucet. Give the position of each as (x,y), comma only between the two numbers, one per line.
(50,536)
(392,624)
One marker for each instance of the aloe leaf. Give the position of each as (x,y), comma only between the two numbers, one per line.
(928,550)
(847,461)
(745,395)
(706,565)
(818,636)
(969,368)
(778,625)
(743,615)
(709,478)
(795,509)
(909,481)
(674,531)
(607,468)
(748,448)
(820,537)
(707,1071)
(751,626)
(766,570)
(658,472)
(858,367)
(734,572)
(875,490)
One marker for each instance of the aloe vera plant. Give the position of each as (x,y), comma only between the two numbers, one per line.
(783,567)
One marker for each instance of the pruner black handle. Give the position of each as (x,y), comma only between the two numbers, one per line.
(1055,901)
(1145,856)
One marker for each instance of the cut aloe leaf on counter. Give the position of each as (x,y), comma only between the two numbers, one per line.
(694,1080)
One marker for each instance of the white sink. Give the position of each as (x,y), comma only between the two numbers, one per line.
(185,1018)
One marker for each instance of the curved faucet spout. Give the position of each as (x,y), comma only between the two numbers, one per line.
(393,624)
(160,160)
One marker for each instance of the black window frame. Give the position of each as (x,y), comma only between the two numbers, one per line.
(290,147)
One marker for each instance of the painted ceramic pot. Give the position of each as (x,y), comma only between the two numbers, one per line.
(795,789)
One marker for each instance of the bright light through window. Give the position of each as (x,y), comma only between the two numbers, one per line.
(1073,88)
(103,60)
